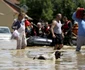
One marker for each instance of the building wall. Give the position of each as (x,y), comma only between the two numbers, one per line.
(7,15)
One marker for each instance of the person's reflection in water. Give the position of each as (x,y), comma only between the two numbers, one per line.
(20,53)
(57,65)
(20,61)
(80,58)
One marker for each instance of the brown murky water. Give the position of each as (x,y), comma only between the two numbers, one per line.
(23,59)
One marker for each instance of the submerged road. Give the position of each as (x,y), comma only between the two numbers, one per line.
(23,59)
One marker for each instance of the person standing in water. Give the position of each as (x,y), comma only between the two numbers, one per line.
(19,29)
(81,28)
(57,32)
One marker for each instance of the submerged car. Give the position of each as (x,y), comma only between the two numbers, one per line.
(5,39)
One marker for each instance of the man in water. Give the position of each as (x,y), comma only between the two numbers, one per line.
(81,30)
(57,32)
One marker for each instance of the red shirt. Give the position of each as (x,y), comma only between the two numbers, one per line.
(65,26)
(27,23)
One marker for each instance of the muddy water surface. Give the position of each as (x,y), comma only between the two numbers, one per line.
(23,59)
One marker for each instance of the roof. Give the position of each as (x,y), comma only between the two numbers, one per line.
(14,1)
(29,18)
(13,5)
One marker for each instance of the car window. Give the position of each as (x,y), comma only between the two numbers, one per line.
(4,30)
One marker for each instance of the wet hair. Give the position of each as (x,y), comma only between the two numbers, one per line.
(57,54)
(64,17)
(58,15)
(20,14)
(40,57)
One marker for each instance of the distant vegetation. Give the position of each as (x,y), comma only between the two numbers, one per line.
(47,9)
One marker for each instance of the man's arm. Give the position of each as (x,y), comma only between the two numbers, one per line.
(52,27)
(14,25)
(70,26)
(75,18)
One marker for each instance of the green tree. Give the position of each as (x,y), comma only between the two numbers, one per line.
(80,3)
(57,8)
(47,10)
(34,8)
(40,9)
(65,7)
(68,7)
(22,2)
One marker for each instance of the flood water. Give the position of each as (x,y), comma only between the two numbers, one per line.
(23,59)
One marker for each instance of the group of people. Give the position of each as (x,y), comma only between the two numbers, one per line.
(38,30)
(60,33)
(23,29)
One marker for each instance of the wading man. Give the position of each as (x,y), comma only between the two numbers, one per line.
(57,32)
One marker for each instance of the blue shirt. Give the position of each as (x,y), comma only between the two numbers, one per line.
(17,24)
(81,25)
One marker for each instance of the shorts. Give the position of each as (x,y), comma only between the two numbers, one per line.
(58,39)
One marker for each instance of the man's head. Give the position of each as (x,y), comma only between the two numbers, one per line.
(39,24)
(65,19)
(57,54)
(46,24)
(58,16)
(20,16)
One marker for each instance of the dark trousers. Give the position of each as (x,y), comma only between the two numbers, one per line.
(68,40)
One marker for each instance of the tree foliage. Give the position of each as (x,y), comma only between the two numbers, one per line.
(22,2)
(47,9)
(40,9)
(35,8)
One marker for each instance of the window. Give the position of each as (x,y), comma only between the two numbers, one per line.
(4,30)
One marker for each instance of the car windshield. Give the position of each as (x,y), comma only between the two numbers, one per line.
(4,30)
